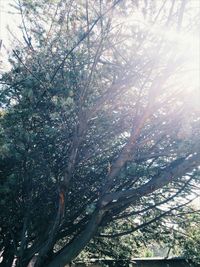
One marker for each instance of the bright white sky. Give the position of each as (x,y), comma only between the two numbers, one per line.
(7,19)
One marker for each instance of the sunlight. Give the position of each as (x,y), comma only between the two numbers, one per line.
(186,46)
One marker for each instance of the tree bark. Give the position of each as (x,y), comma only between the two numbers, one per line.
(68,253)
(8,257)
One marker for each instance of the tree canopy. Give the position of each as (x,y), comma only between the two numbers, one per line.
(100,125)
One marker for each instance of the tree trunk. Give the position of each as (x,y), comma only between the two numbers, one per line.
(8,257)
(68,253)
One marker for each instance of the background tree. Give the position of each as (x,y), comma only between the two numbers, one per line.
(98,124)
(191,244)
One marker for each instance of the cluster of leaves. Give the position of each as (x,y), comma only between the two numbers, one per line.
(189,241)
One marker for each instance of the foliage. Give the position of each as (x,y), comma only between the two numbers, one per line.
(191,245)
(189,241)
(98,132)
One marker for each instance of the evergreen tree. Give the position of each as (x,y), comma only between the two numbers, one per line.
(97,126)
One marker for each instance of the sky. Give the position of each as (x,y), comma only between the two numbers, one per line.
(7,20)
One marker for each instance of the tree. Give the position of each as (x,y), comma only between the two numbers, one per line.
(188,237)
(97,126)
(173,235)
(191,244)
